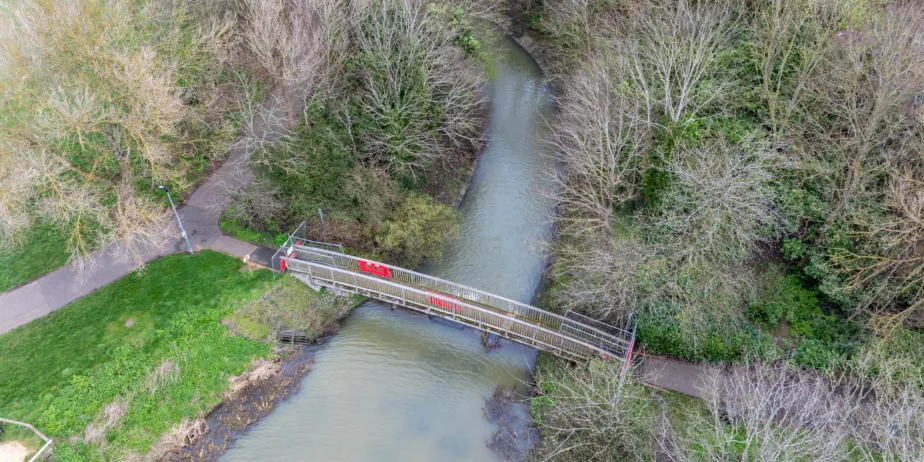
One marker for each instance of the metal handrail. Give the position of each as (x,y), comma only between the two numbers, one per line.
(44,450)
(434,283)
(299,235)
(319,243)
(457,309)
(612,341)
(548,319)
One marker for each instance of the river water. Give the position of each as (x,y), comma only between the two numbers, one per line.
(394,385)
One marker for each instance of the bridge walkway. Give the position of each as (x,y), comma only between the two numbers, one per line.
(572,336)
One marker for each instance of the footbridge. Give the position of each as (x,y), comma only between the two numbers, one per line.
(572,336)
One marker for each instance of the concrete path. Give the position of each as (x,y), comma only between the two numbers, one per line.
(672,374)
(200,215)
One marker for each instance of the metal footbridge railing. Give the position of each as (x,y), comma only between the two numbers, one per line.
(573,336)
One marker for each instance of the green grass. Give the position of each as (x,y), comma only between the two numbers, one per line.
(243,233)
(60,371)
(42,249)
(291,305)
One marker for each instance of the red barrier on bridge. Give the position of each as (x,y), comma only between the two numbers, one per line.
(628,357)
(374,268)
(445,304)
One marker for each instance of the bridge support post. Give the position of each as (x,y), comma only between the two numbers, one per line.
(308,280)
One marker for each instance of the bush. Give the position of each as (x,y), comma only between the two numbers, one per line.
(417,231)
(822,338)
(732,342)
(782,297)
(816,354)
(309,167)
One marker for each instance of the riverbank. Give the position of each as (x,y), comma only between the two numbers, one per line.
(129,382)
(253,395)
(95,374)
(290,306)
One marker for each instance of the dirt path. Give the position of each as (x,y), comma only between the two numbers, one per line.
(12,451)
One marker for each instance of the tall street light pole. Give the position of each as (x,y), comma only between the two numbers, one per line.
(177,215)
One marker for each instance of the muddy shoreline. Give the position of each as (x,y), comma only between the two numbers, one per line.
(516,434)
(239,411)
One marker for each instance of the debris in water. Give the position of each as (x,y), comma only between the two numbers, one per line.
(515,435)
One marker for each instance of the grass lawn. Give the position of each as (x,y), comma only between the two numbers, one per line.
(151,344)
(43,249)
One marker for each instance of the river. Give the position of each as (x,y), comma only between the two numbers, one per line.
(395,386)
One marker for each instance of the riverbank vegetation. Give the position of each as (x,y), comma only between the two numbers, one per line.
(757,411)
(123,370)
(390,126)
(745,176)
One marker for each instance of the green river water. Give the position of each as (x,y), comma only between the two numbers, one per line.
(394,386)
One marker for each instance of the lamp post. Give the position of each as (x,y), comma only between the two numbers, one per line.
(177,215)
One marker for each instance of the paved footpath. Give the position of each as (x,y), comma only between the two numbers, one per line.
(200,215)
(673,374)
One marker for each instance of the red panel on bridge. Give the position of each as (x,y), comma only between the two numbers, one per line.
(445,304)
(374,268)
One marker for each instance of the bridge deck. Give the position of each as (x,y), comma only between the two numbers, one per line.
(571,336)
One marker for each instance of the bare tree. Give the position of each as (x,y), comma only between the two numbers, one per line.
(890,427)
(854,111)
(594,412)
(581,28)
(600,274)
(412,74)
(485,10)
(602,143)
(792,40)
(721,199)
(861,141)
(874,410)
(17,178)
(888,266)
(255,204)
(299,43)
(674,46)
(80,140)
(766,413)
(609,276)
